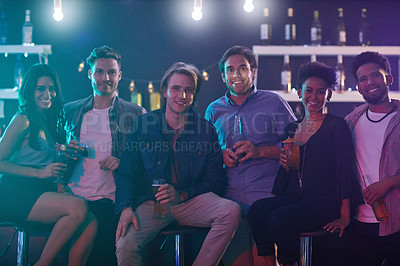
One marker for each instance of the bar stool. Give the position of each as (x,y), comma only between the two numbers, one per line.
(22,243)
(178,231)
(306,245)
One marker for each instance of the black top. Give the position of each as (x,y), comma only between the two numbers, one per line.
(328,165)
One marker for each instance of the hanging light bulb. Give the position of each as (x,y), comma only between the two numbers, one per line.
(81,66)
(205,75)
(248,6)
(58,15)
(197,6)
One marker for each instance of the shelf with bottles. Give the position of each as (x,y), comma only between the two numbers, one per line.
(323,50)
(43,51)
(339,52)
(346,96)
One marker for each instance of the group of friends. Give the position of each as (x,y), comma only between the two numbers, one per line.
(238,185)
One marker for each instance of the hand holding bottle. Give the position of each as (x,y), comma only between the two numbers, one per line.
(77,149)
(230,158)
(373,196)
(375,191)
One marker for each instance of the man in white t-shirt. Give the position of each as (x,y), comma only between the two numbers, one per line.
(375,127)
(101,122)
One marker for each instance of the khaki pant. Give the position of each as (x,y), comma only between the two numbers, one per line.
(205,210)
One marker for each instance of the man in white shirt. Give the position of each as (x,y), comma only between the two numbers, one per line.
(375,127)
(100,122)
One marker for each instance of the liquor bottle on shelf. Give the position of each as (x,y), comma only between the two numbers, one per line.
(136,97)
(266,29)
(27,29)
(155,97)
(286,75)
(290,28)
(316,30)
(340,74)
(18,72)
(3,29)
(341,28)
(363,35)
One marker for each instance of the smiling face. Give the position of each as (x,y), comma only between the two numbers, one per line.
(105,75)
(373,83)
(238,75)
(314,94)
(45,93)
(179,93)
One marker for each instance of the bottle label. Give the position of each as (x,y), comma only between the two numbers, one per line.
(342,36)
(27,35)
(313,34)
(293,31)
(287,32)
(340,78)
(265,32)
(286,77)
(361,37)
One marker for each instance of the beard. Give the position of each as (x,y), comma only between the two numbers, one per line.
(379,98)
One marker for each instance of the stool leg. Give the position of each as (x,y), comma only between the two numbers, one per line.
(306,251)
(179,256)
(23,248)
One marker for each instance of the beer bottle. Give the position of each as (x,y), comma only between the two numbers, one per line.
(363,35)
(266,29)
(316,30)
(286,75)
(290,28)
(341,28)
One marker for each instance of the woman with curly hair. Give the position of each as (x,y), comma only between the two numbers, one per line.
(317,194)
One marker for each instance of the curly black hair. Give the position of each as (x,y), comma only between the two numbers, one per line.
(370,57)
(316,69)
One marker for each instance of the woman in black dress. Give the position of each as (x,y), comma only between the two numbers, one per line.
(316,195)
(28,171)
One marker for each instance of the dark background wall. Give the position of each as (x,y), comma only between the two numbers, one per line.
(152,34)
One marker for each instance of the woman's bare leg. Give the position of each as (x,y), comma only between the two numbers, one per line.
(82,242)
(67,212)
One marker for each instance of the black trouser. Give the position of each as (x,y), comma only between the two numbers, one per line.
(367,248)
(103,252)
(280,220)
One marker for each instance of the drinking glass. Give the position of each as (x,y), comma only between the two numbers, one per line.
(292,152)
(159,209)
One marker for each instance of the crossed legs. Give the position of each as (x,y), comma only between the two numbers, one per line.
(72,222)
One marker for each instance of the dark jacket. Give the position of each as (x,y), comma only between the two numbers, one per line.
(147,154)
(122,114)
